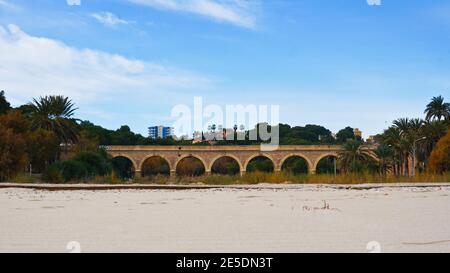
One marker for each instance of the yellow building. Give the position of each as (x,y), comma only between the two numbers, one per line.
(357,133)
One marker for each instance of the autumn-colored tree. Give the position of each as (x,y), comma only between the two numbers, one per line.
(440,157)
(13,156)
(42,148)
(14,120)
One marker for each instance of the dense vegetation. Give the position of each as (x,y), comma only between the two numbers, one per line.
(44,137)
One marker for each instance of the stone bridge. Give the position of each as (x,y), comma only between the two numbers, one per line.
(208,155)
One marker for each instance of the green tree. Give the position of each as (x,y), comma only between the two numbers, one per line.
(124,136)
(26,109)
(437,109)
(345,134)
(4,104)
(93,131)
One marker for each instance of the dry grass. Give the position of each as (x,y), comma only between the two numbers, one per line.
(24,178)
(257,178)
(286,178)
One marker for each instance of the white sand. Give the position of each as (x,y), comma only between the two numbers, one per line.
(227,220)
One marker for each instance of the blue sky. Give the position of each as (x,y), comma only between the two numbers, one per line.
(328,62)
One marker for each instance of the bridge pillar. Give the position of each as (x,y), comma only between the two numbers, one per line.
(137,174)
(243,172)
(173,173)
(312,171)
(207,173)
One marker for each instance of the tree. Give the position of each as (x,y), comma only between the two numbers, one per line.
(345,134)
(437,109)
(26,109)
(354,158)
(124,136)
(385,155)
(13,156)
(4,104)
(55,114)
(16,121)
(432,131)
(42,149)
(440,157)
(310,134)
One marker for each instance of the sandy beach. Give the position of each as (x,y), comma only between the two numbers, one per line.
(292,219)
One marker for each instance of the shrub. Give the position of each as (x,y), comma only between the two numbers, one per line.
(65,171)
(95,163)
(53,174)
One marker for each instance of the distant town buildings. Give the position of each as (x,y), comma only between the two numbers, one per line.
(212,136)
(162,132)
(357,132)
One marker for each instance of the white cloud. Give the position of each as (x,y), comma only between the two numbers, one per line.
(73,2)
(35,66)
(237,12)
(8,5)
(108,19)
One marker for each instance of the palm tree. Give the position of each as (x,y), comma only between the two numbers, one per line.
(385,155)
(391,138)
(353,157)
(55,114)
(437,109)
(403,125)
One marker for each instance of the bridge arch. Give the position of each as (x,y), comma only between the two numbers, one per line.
(132,160)
(161,167)
(275,167)
(206,166)
(323,156)
(155,156)
(238,161)
(301,155)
